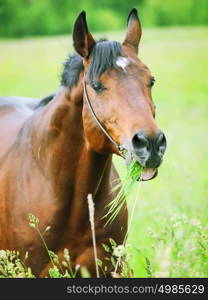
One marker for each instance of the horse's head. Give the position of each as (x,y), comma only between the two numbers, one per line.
(118,86)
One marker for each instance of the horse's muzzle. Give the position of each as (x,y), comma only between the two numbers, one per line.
(149,151)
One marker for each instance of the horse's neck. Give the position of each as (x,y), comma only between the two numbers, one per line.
(62,152)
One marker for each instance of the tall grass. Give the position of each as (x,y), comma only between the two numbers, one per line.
(91,208)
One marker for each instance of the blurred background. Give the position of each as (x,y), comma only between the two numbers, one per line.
(168,236)
(48,17)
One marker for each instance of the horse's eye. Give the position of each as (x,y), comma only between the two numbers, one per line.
(152,81)
(98,86)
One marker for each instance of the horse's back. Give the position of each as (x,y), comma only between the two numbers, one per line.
(16,102)
(13,113)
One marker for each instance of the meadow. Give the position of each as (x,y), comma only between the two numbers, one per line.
(168,235)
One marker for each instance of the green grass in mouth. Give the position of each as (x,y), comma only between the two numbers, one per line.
(126,187)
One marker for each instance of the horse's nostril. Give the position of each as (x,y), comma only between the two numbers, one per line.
(139,141)
(161,140)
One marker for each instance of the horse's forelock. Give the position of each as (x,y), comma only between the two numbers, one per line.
(103,57)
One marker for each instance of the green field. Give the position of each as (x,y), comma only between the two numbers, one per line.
(169,233)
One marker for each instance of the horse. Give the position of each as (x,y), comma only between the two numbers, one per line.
(56,151)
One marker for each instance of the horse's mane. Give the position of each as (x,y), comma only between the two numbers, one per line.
(103,57)
(72,68)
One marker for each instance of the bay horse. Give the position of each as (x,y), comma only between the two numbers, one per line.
(55,152)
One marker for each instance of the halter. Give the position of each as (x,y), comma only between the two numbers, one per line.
(120,148)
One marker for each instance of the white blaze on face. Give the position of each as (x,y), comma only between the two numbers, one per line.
(122,62)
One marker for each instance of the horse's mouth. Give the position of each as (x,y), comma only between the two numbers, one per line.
(148,174)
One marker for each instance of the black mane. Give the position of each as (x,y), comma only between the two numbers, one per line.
(72,68)
(45,101)
(103,57)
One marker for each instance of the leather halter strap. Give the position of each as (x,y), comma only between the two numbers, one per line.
(120,148)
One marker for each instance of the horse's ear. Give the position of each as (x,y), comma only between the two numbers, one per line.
(83,40)
(134,30)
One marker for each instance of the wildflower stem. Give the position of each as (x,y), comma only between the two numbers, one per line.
(91,207)
(45,245)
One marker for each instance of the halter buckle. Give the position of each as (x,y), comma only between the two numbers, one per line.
(122,151)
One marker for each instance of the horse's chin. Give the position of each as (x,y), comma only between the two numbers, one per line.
(148,174)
